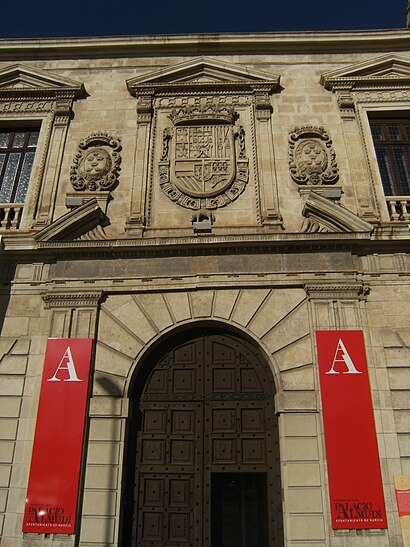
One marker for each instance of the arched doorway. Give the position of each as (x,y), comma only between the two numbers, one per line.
(204,448)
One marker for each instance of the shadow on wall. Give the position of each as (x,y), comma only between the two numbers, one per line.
(7,273)
(109,387)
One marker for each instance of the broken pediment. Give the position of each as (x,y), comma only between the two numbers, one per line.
(390,68)
(83,222)
(201,73)
(323,215)
(22,78)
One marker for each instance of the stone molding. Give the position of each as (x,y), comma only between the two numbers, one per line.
(324,215)
(114,47)
(73,224)
(72,299)
(24,89)
(392,69)
(198,77)
(321,291)
(384,79)
(202,75)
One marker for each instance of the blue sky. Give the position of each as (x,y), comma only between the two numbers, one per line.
(51,18)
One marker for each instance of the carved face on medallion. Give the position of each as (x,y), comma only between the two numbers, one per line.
(96,168)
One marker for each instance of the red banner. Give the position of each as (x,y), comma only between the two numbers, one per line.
(355,483)
(55,463)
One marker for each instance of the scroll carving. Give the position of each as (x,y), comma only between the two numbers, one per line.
(97,163)
(312,159)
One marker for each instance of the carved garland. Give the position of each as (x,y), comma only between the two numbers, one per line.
(97,163)
(312,159)
(203,163)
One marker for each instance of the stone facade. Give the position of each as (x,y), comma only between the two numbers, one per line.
(146,243)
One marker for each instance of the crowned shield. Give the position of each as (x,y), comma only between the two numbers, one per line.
(203,159)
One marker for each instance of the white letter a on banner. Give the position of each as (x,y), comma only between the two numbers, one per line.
(69,367)
(342,356)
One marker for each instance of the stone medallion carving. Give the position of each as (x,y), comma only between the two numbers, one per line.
(97,163)
(312,159)
(203,163)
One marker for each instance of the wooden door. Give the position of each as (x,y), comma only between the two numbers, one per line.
(207,415)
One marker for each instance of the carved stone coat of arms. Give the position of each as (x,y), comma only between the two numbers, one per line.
(203,162)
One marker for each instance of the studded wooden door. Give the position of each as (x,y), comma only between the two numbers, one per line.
(206,411)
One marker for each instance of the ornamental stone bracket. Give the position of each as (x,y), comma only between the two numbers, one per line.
(263,107)
(72,299)
(324,215)
(73,313)
(337,291)
(144,107)
(74,224)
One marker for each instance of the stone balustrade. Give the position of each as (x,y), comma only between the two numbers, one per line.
(399,207)
(10,215)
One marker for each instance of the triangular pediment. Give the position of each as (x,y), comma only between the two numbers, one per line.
(392,68)
(201,72)
(323,215)
(80,223)
(24,78)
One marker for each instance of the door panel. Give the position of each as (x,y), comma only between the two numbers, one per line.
(207,411)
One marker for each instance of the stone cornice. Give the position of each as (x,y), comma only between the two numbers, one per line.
(72,299)
(26,248)
(204,44)
(332,291)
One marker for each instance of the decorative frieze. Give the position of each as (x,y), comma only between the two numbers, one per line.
(216,100)
(17,107)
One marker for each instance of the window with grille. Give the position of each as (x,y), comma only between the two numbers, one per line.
(391,139)
(17,150)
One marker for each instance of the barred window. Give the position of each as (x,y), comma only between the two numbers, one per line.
(391,137)
(17,150)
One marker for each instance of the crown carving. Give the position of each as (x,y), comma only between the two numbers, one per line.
(203,113)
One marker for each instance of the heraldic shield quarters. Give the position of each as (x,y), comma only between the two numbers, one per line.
(203,163)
